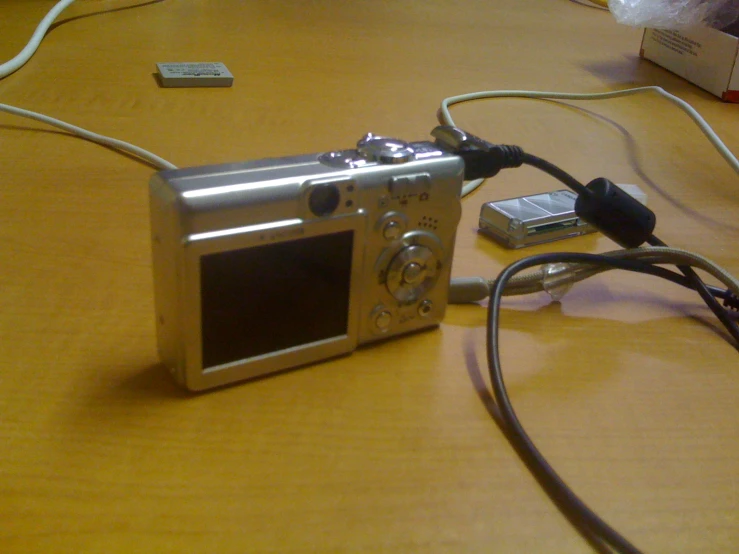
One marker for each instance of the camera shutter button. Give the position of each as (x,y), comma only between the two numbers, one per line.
(385,150)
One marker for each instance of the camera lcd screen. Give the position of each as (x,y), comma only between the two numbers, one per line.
(272,297)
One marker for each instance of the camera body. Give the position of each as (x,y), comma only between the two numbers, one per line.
(273,264)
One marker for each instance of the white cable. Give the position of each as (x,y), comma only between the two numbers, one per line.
(16,63)
(446,118)
(25,54)
(89,135)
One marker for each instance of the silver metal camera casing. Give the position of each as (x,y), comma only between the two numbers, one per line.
(396,215)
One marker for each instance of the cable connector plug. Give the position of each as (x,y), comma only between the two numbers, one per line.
(464,290)
(731,301)
(481,158)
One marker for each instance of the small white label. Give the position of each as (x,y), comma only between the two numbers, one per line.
(192,70)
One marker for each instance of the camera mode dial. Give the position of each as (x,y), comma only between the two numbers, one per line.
(411,273)
(384,150)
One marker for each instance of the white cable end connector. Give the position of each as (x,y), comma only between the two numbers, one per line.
(465,290)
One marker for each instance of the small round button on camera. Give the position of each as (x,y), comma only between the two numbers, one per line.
(425,307)
(392,230)
(396,155)
(324,199)
(392,225)
(342,159)
(414,273)
(411,273)
(383,320)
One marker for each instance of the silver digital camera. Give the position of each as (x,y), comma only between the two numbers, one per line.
(272,264)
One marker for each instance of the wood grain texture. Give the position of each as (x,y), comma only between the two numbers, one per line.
(627,386)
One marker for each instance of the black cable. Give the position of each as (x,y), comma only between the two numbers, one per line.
(628,223)
(582,517)
(731,301)
(701,288)
(698,285)
(556,172)
(724,294)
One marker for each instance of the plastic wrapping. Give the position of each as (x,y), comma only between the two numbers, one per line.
(557,280)
(675,14)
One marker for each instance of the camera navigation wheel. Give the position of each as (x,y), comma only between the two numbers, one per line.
(411,273)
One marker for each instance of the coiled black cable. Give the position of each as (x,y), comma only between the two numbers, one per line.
(588,523)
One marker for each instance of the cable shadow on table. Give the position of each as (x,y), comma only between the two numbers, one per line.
(538,320)
(486,397)
(632,152)
(547,378)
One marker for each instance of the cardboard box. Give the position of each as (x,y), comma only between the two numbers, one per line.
(702,55)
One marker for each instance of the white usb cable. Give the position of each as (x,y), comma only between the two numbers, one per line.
(20,60)
(25,55)
(444,114)
(116,144)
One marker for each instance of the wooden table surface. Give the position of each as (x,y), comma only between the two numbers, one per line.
(628,386)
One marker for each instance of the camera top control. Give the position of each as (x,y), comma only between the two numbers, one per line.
(384,150)
(412,202)
(375,149)
(410,193)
